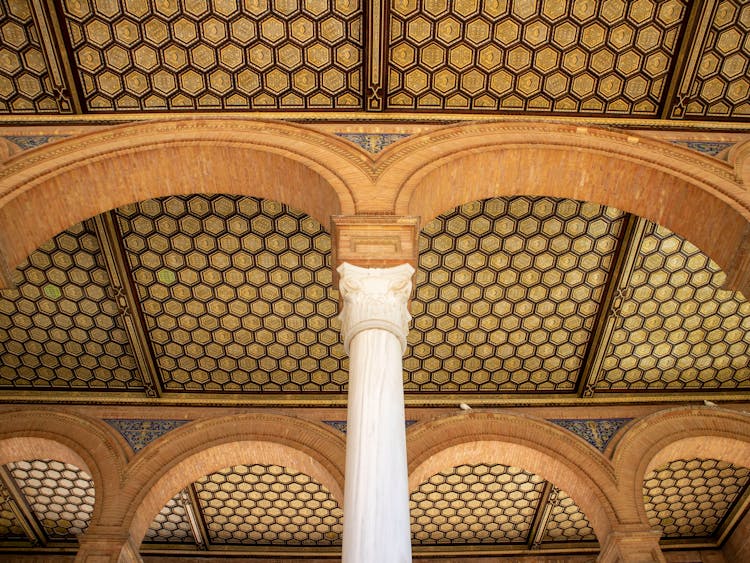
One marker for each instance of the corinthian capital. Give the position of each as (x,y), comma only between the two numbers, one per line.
(375,298)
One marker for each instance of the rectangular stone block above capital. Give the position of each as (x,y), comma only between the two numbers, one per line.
(374,241)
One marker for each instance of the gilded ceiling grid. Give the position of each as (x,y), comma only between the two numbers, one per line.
(578,56)
(475,504)
(692,498)
(720,82)
(60,495)
(507,293)
(192,54)
(676,329)
(60,329)
(567,522)
(236,294)
(171,525)
(267,505)
(25,82)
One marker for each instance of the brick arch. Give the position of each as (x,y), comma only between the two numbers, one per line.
(521,441)
(202,447)
(694,195)
(682,433)
(739,157)
(88,444)
(92,173)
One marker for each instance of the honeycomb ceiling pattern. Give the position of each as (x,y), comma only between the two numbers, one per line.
(223,54)
(60,328)
(60,495)
(721,87)
(691,498)
(492,504)
(236,293)
(640,58)
(25,85)
(10,527)
(506,294)
(677,329)
(268,505)
(566,521)
(171,525)
(579,56)
(475,504)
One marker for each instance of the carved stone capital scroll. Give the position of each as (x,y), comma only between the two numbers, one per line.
(375,298)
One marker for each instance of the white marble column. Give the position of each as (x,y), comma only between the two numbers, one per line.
(375,322)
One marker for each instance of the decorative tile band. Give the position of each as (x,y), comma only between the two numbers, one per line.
(711,148)
(597,431)
(373,142)
(26,142)
(141,432)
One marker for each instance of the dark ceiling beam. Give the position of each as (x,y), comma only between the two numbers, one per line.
(16,501)
(192,506)
(547,502)
(615,292)
(126,298)
(684,65)
(375,54)
(58,59)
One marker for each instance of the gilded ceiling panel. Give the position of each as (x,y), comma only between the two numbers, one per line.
(60,495)
(224,54)
(676,329)
(10,527)
(567,522)
(720,85)
(171,525)
(475,504)
(25,85)
(268,505)
(691,498)
(61,328)
(583,56)
(236,294)
(507,294)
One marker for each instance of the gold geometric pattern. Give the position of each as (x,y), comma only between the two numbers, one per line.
(10,527)
(60,495)
(676,328)
(24,76)
(224,54)
(475,504)
(567,522)
(60,328)
(721,87)
(171,525)
(573,56)
(507,292)
(268,505)
(690,498)
(236,293)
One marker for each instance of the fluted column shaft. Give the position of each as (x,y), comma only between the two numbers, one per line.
(375,323)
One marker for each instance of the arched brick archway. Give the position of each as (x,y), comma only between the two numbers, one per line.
(531,444)
(683,433)
(202,447)
(89,174)
(86,443)
(695,196)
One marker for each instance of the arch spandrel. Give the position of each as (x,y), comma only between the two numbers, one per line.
(88,444)
(682,433)
(693,195)
(524,442)
(203,447)
(44,191)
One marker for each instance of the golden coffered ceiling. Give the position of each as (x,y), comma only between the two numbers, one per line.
(653,59)
(240,508)
(209,296)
